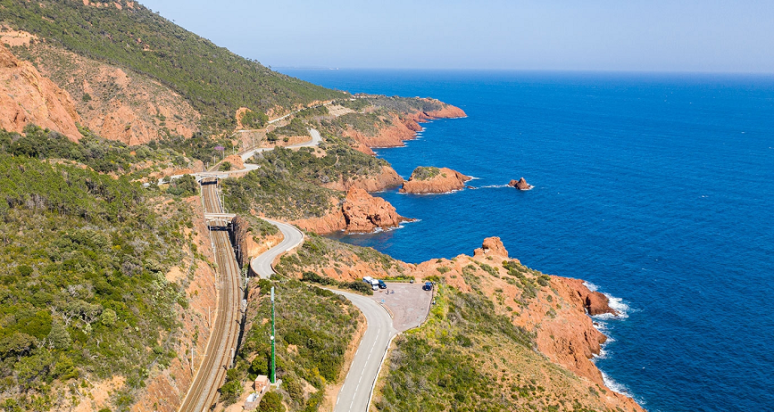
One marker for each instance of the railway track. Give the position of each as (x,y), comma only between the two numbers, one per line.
(203,393)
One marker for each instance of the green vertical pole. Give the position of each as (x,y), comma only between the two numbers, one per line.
(272,376)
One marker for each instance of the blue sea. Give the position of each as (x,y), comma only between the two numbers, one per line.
(657,189)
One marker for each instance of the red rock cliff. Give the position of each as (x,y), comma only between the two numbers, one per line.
(27,97)
(405,127)
(387,178)
(358,213)
(556,313)
(445,181)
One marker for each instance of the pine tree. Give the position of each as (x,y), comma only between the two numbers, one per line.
(59,338)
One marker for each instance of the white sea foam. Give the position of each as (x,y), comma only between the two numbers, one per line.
(615,303)
(492,186)
(592,287)
(615,386)
(619,306)
(602,354)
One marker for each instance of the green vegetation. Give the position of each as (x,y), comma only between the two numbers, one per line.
(317,251)
(287,184)
(199,146)
(396,104)
(326,281)
(254,120)
(82,286)
(435,367)
(214,80)
(368,124)
(260,228)
(99,154)
(403,104)
(296,127)
(312,112)
(271,402)
(354,104)
(530,281)
(314,327)
(340,162)
(184,187)
(425,173)
(277,193)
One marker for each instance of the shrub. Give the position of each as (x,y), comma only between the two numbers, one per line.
(254,120)
(358,286)
(214,80)
(271,402)
(184,187)
(425,173)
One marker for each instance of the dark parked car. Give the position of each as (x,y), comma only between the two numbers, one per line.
(427,286)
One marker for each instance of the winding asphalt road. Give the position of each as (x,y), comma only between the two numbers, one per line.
(316,139)
(293,237)
(355,394)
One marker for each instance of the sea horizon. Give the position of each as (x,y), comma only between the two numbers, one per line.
(654,73)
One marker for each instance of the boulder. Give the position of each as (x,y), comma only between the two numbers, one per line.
(520,184)
(492,246)
(364,213)
(596,303)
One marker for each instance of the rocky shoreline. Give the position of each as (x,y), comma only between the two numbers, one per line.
(358,212)
(433,180)
(567,336)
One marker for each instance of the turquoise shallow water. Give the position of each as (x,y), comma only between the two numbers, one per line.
(656,189)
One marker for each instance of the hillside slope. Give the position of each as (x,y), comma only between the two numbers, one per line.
(93,286)
(27,97)
(215,81)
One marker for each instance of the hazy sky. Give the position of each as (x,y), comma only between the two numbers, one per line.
(618,35)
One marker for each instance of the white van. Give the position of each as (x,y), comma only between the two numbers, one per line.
(371,281)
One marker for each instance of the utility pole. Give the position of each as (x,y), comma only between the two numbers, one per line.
(272,376)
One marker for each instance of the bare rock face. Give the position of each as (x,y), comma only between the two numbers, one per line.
(364,213)
(520,184)
(235,161)
(27,97)
(492,246)
(387,178)
(359,212)
(596,303)
(428,180)
(404,127)
(446,112)
(113,103)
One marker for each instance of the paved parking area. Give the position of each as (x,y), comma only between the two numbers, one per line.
(407,302)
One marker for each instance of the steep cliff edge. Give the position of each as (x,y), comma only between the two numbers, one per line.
(386,179)
(27,97)
(555,309)
(429,180)
(359,212)
(552,368)
(402,124)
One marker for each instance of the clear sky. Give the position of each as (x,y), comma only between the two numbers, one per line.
(614,35)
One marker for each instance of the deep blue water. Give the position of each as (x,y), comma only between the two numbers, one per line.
(659,189)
